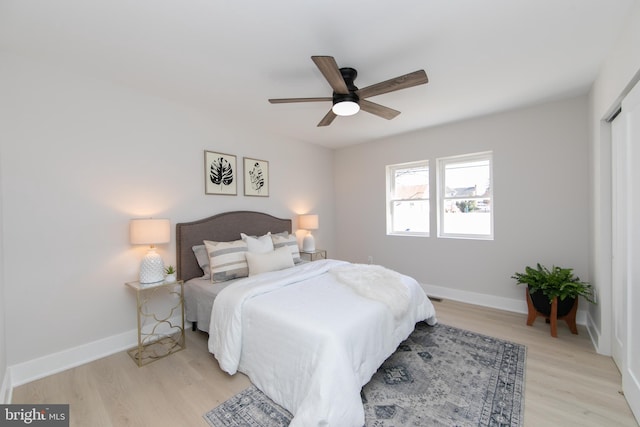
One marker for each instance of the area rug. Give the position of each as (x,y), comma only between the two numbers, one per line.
(439,376)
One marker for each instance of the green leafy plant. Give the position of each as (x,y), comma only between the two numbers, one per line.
(170,270)
(555,282)
(467,205)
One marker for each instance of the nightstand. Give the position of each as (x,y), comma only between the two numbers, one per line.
(160,320)
(313,255)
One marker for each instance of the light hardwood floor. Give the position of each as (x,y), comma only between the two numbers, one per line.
(567,383)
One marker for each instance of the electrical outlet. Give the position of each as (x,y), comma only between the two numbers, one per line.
(370,259)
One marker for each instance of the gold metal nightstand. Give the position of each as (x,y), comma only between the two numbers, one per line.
(313,255)
(160,333)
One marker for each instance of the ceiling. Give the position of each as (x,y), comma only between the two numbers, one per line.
(229,57)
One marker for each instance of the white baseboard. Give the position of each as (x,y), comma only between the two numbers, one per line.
(594,335)
(485,300)
(50,364)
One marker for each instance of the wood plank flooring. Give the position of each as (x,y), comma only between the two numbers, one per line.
(567,383)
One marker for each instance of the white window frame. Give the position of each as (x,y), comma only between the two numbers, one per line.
(441,164)
(390,170)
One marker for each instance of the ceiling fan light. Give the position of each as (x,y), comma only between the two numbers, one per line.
(345,108)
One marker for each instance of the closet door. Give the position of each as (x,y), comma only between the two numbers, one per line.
(631,374)
(619,233)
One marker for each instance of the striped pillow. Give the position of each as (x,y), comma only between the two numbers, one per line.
(289,240)
(227,260)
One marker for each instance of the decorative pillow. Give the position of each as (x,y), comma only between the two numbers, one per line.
(202,256)
(269,261)
(288,240)
(227,260)
(258,245)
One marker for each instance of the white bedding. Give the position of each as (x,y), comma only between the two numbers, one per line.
(377,283)
(308,341)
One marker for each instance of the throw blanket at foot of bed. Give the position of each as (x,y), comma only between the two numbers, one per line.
(308,341)
(377,283)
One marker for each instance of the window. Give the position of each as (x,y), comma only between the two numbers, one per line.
(408,199)
(465,200)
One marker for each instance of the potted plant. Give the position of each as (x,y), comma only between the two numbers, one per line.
(170,274)
(546,284)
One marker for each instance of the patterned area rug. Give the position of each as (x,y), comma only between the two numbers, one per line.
(439,376)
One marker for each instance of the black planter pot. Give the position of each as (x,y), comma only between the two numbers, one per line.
(542,304)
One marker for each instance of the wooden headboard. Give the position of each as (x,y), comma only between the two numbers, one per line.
(224,227)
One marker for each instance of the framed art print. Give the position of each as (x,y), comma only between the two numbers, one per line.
(256,177)
(220,173)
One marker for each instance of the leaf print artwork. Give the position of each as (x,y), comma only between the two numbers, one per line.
(256,177)
(221,172)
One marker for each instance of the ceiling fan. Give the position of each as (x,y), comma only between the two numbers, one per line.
(347,98)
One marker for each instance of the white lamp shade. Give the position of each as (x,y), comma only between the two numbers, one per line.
(308,222)
(149,231)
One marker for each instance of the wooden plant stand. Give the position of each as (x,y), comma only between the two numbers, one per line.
(553,318)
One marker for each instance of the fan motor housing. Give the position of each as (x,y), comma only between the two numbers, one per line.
(339,97)
(349,75)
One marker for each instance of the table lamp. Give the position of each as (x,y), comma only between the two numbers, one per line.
(308,222)
(150,232)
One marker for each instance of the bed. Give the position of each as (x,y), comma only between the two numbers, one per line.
(310,335)
(200,292)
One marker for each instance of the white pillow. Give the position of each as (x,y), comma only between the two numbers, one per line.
(258,245)
(269,261)
(227,260)
(288,240)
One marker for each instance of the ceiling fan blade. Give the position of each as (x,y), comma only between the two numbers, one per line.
(331,72)
(287,100)
(378,110)
(326,120)
(408,80)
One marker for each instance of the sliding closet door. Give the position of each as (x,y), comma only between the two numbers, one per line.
(619,251)
(631,375)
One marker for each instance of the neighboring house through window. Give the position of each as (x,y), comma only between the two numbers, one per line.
(408,199)
(465,198)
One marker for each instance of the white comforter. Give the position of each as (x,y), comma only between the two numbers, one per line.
(308,341)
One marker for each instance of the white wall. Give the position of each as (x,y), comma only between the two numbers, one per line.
(80,157)
(541,202)
(617,75)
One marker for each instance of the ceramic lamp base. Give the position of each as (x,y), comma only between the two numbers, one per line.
(151,268)
(309,243)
